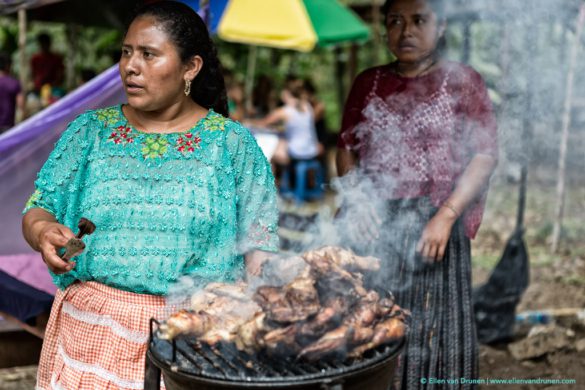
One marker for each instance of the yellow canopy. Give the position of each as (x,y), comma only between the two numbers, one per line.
(283,24)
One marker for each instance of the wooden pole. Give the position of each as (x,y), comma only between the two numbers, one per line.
(339,73)
(22,63)
(353,62)
(250,71)
(466,54)
(377,23)
(72,32)
(566,124)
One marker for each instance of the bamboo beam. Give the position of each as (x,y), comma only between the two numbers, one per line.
(566,124)
(22,63)
(377,24)
(72,33)
(250,75)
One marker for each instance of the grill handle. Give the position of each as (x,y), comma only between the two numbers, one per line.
(152,374)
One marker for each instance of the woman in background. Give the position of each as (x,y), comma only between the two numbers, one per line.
(297,117)
(11,95)
(423,129)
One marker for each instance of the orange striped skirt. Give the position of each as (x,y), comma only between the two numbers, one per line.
(97,338)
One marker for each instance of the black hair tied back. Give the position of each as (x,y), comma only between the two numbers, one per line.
(189,34)
(438,7)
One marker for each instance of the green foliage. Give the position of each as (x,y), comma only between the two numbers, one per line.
(8,36)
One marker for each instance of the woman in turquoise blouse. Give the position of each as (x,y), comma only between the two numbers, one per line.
(174,188)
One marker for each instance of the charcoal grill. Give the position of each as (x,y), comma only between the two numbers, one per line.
(186,364)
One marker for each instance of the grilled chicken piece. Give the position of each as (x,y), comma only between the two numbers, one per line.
(364,315)
(289,313)
(303,298)
(362,335)
(217,335)
(294,302)
(392,329)
(344,258)
(332,279)
(201,299)
(234,291)
(266,296)
(186,322)
(332,343)
(213,291)
(282,341)
(249,335)
(327,319)
(282,271)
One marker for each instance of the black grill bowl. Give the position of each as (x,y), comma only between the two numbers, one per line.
(185,365)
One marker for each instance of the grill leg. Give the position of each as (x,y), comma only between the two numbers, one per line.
(151,374)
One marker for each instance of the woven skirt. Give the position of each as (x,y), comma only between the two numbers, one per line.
(97,338)
(442,340)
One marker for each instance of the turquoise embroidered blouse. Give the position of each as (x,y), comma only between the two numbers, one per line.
(164,205)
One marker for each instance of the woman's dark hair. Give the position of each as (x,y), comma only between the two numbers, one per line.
(438,7)
(189,34)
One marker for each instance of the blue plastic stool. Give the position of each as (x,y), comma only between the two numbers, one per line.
(301,192)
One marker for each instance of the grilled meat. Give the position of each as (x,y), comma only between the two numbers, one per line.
(294,302)
(249,334)
(392,329)
(186,322)
(332,343)
(344,258)
(323,312)
(282,341)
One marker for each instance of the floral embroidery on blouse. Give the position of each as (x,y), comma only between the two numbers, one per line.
(154,146)
(122,135)
(187,143)
(167,216)
(214,122)
(109,116)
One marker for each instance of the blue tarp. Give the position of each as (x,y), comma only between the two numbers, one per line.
(23,150)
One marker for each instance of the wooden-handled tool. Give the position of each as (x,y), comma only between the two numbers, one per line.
(75,246)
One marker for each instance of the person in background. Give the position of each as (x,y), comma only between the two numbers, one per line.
(422,129)
(46,67)
(86,75)
(11,96)
(175,189)
(318,113)
(264,100)
(235,95)
(297,117)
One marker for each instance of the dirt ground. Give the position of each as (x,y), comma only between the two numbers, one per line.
(545,291)
(556,281)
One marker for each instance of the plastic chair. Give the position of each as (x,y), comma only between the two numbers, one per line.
(301,192)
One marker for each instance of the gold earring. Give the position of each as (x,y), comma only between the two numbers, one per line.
(187,87)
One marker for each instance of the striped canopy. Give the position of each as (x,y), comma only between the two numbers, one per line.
(290,24)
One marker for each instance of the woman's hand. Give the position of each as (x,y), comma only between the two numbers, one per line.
(51,237)
(435,236)
(254,261)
